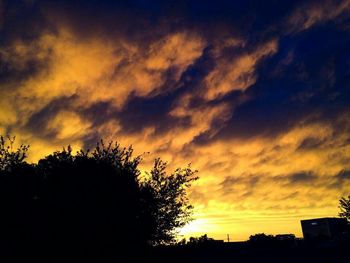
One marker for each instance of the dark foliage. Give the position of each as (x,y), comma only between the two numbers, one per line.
(262,239)
(170,208)
(10,157)
(200,240)
(90,206)
(344,205)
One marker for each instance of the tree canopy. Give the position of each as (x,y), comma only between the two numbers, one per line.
(93,203)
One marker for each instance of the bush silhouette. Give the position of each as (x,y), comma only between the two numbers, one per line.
(90,206)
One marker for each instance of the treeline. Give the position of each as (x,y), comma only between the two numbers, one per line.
(92,205)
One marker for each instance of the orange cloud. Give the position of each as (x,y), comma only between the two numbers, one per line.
(236,74)
(68,125)
(260,184)
(309,14)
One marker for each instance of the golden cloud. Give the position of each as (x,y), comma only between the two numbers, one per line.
(236,74)
(94,70)
(256,185)
(270,181)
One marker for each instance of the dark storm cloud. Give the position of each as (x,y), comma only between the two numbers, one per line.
(14,68)
(343,175)
(21,20)
(134,117)
(249,182)
(301,177)
(308,79)
(310,143)
(340,180)
(207,16)
(134,18)
(153,111)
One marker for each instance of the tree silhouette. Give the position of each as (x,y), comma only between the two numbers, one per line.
(93,205)
(344,205)
(19,189)
(262,240)
(10,157)
(167,201)
(204,239)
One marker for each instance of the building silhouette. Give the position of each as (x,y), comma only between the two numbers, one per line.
(326,228)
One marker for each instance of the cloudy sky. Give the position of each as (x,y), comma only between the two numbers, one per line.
(254,94)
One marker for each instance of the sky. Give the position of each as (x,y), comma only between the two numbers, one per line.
(254,94)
